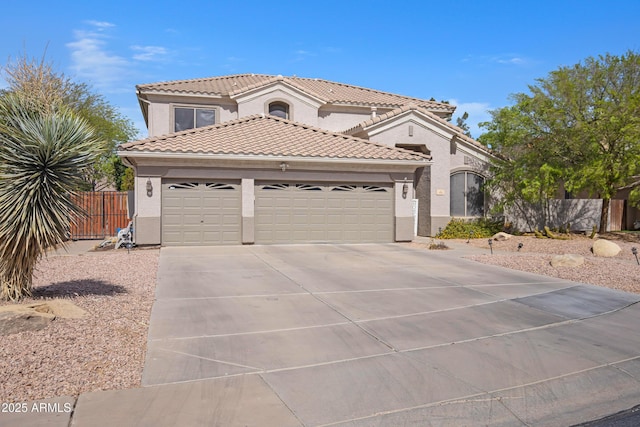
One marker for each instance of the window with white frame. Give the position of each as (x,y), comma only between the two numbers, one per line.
(467,194)
(192,117)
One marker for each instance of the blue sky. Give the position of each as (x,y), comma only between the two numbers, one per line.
(472,53)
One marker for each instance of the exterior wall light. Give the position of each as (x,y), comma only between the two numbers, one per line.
(284,166)
(149,188)
(405,189)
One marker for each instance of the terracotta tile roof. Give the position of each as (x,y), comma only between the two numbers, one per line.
(324,90)
(269,136)
(412,107)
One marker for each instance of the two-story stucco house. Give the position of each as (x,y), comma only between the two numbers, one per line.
(245,159)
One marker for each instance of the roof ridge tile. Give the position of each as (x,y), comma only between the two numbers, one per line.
(337,92)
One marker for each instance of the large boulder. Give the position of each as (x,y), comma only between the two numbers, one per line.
(567,260)
(502,236)
(605,248)
(33,317)
(65,309)
(21,318)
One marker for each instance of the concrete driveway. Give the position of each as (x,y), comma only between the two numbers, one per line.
(374,335)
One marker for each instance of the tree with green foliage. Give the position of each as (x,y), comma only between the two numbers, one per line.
(579,127)
(522,175)
(461,122)
(38,81)
(45,149)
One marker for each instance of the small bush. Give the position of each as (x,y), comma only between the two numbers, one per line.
(437,245)
(476,228)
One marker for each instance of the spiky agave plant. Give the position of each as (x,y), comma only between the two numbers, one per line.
(43,153)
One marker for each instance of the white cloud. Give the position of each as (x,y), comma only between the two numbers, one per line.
(301,55)
(101,25)
(478,112)
(505,58)
(91,60)
(514,61)
(149,53)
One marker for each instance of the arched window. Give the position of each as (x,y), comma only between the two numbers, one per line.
(467,194)
(279,109)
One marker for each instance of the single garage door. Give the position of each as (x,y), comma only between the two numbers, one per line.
(310,212)
(200,213)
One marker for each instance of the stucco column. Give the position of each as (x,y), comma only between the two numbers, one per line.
(423,194)
(404,211)
(248,210)
(146,226)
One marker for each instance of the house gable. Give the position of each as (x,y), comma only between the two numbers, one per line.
(302,107)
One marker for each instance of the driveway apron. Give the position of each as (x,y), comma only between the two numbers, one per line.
(380,335)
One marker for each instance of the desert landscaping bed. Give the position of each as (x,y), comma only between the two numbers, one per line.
(619,272)
(103,350)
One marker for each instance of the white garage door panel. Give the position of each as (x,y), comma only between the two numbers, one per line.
(200,213)
(302,212)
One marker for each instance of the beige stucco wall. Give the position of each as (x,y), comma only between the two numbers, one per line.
(148,210)
(338,119)
(403,211)
(466,157)
(248,210)
(159,119)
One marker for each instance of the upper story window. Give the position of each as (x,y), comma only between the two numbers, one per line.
(192,117)
(279,109)
(467,194)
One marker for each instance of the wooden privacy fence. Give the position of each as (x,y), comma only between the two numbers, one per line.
(106,212)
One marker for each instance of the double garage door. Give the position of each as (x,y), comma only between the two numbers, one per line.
(209,213)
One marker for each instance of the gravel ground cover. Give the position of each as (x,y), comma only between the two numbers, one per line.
(620,272)
(102,351)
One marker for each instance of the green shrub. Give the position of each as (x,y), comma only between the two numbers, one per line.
(476,228)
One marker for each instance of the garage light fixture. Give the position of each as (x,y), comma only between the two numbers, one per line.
(405,189)
(284,166)
(149,188)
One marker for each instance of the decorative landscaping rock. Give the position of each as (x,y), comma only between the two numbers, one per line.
(567,260)
(502,236)
(605,248)
(21,318)
(33,317)
(65,309)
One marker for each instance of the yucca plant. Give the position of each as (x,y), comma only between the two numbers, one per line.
(44,150)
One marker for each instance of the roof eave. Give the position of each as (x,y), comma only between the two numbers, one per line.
(257,157)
